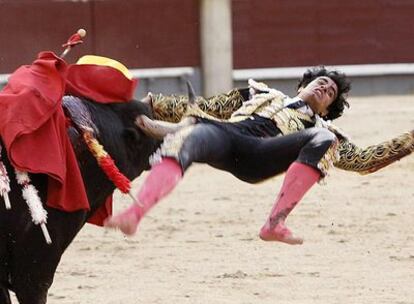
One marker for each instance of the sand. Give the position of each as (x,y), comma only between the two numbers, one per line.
(201,245)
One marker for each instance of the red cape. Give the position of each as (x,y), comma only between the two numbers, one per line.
(33,128)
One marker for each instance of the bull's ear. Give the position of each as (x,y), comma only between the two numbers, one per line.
(131,136)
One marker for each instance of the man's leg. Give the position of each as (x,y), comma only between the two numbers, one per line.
(298,180)
(162,179)
(300,155)
(201,143)
(311,146)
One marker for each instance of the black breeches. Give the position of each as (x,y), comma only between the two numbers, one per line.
(253,159)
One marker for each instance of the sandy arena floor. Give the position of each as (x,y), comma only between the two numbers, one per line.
(200,244)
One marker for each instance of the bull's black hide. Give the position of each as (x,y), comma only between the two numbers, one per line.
(27,263)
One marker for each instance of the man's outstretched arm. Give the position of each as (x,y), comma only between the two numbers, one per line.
(172,108)
(375,157)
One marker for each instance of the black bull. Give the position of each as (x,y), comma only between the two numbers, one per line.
(27,263)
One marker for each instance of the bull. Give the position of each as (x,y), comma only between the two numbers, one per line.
(27,263)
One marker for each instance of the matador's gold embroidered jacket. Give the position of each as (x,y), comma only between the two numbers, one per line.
(233,107)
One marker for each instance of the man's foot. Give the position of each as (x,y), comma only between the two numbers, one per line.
(279,233)
(127,221)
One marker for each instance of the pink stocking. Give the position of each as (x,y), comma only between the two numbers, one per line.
(161,180)
(298,180)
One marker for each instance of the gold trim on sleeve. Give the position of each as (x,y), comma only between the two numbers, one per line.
(375,157)
(172,108)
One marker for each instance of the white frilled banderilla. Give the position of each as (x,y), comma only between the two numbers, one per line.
(30,195)
(4,183)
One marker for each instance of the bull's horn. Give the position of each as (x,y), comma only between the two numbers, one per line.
(159,129)
(149,100)
(155,128)
(191,93)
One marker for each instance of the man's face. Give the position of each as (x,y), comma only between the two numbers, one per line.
(319,94)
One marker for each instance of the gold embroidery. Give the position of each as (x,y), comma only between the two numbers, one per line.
(194,110)
(169,108)
(328,160)
(290,121)
(222,106)
(375,157)
(173,107)
(264,104)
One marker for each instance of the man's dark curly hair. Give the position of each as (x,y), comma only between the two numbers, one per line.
(337,107)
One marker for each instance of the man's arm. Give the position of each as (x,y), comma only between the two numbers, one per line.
(172,108)
(375,157)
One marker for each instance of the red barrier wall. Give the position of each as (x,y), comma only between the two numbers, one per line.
(139,33)
(165,33)
(27,27)
(271,33)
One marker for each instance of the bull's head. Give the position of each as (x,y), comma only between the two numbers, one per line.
(158,129)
